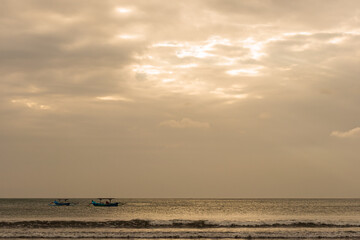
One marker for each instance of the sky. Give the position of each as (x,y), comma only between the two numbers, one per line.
(206,98)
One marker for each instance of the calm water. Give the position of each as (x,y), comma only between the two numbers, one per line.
(183,218)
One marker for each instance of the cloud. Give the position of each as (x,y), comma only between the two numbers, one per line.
(185,123)
(114,98)
(31,104)
(83,80)
(355,132)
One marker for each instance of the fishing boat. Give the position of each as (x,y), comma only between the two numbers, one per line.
(107,203)
(60,202)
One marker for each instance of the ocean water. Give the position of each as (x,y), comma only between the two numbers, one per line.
(182,219)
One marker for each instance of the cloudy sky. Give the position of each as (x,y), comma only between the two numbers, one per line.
(179,98)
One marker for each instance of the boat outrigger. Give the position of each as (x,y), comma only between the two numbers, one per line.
(60,202)
(107,203)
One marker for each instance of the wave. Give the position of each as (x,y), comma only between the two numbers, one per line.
(192,224)
(278,233)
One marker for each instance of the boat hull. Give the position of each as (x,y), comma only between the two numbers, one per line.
(61,204)
(96,204)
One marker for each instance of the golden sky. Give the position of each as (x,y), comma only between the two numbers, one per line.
(206,98)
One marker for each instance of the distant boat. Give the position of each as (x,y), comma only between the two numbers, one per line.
(107,203)
(61,202)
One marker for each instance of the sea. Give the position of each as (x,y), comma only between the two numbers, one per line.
(182,219)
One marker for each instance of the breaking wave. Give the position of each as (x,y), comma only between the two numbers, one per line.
(148,224)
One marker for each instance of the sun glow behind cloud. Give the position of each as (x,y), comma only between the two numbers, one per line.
(255,47)
(128,36)
(160,66)
(244,71)
(150,70)
(114,98)
(337,40)
(123,10)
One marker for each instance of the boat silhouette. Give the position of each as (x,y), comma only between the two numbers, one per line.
(107,203)
(60,202)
